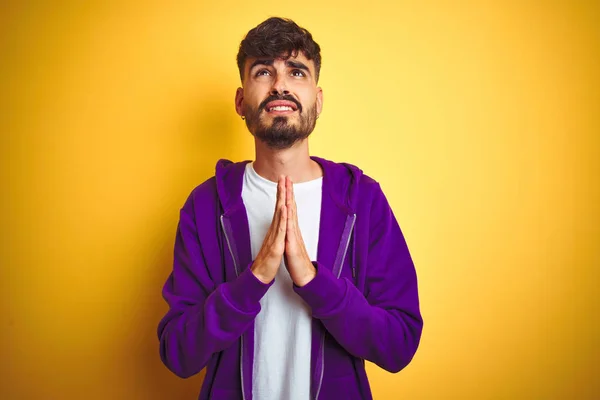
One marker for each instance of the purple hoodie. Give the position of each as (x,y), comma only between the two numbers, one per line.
(364,298)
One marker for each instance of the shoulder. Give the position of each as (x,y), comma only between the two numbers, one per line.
(203,196)
(358,173)
(368,186)
(369,183)
(349,182)
(368,198)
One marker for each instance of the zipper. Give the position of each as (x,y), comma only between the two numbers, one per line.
(229,246)
(353,262)
(346,248)
(322,364)
(341,263)
(242,366)
(235,266)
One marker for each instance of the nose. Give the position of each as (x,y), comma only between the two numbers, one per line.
(279,86)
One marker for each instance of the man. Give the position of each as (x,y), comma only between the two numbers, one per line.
(290,271)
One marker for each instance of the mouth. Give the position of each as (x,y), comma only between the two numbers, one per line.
(280,107)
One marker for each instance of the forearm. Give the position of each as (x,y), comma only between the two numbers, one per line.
(191,333)
(388,337)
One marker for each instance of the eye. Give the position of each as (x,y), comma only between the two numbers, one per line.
(262,72)
(298,73)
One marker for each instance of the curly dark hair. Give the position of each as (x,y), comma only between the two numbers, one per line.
(278,37)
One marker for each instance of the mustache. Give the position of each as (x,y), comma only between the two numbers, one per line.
(279,97)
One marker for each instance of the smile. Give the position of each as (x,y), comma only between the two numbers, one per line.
(280,109)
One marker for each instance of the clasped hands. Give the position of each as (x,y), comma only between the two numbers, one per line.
(284,240)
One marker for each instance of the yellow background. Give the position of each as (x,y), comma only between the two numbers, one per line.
(480,120)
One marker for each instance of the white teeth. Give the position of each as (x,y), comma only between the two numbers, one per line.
(281,108)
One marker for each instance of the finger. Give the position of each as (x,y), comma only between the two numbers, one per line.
(279,192)
(282,224)
(291,222)
(279,201)
(289,217)
(292,204)
(295,205)
(282,190)
(289,201)
(288,190)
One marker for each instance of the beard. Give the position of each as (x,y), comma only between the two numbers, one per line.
(281,133)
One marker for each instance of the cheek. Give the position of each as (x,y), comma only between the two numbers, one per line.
(256,92)
(250,104)
(305,92)
(309,98)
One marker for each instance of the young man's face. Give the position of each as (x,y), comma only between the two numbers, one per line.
(280,99)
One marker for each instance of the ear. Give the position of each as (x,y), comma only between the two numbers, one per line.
(319,100)
(239,99)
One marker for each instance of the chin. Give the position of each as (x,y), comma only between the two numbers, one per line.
(278,120)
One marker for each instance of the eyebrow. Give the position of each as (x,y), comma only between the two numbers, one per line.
(297,64)
(289,63)
(261,62)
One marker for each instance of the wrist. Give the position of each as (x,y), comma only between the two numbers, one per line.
(259,274)
(309,275)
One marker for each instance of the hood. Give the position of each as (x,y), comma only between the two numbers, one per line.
(340,181)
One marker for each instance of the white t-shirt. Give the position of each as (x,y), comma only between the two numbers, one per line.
(282,335)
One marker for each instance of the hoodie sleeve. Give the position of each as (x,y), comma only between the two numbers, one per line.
(203,318)
(384,325)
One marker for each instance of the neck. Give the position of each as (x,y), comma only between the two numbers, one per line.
(294,162)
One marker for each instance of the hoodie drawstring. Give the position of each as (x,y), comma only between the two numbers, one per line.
(353,261)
